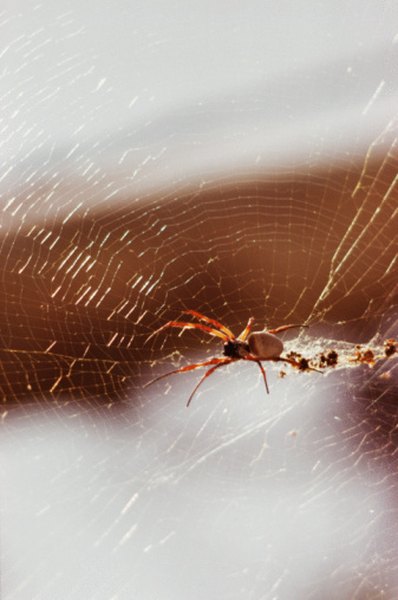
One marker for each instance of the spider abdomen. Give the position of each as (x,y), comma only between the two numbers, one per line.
(265,345)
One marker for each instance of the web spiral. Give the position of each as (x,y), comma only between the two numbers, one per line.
(106,238)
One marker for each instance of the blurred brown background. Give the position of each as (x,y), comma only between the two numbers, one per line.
(80,298)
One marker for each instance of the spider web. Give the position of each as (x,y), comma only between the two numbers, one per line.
(130,196)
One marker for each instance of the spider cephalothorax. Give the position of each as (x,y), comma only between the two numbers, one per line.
(256,346)
(236,349)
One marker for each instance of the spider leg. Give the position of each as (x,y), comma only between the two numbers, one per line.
(211,361)
(242,337)
(263,374)
(283,328)
(225,361)
(256,360)
(184,325)
(213,322)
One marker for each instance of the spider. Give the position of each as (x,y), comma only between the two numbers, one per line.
(256,347)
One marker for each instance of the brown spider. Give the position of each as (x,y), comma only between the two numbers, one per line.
(256,346)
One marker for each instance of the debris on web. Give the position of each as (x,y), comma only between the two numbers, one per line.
(342,355)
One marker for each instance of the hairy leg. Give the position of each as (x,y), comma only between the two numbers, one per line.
(213,322)
(207,374)
(242,337)
(211,361)
(256,360)
(183,325)
(283,328)
(263,374)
